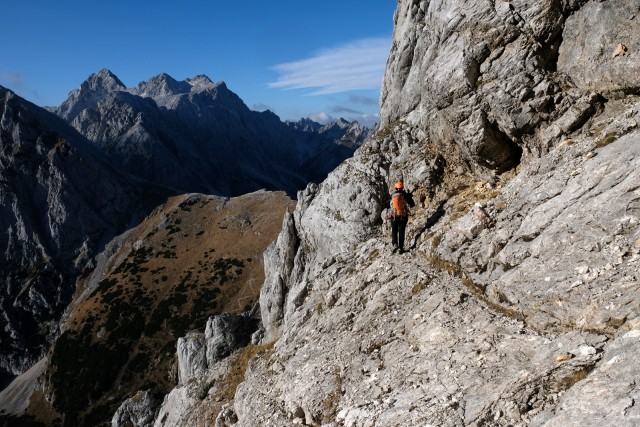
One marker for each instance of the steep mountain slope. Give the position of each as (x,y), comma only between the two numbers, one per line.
(193,257)
(517,304)
(59,205)
(198,136)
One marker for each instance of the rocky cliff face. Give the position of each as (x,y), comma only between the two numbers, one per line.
(519,124)
(198,136)
(60,203)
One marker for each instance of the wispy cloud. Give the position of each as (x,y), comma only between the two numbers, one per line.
(364,100)
(13,79)
(355,66)
(322,118)
(341,109)
(369,120)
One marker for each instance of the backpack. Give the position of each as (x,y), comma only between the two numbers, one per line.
(399,206)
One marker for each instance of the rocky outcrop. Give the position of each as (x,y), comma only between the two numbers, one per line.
(278,265)
(601,48)
(192,356)
(482,77)
(223,335)
(138,411)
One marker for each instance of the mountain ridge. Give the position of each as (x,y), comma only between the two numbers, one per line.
(224,147)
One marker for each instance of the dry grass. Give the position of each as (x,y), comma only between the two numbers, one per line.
(42,411)
(607,139)
(388,129)
(570,380)
(227,389)
(190,259)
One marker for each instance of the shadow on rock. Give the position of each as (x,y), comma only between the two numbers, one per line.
(431,221)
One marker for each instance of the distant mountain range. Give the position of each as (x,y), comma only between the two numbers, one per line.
(74,177)
(60,203)
(198,136)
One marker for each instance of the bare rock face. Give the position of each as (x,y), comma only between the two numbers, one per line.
(223,335)
(607,395)
(226,333)
(481,75)
(278,264)
(138,411)
(601,47)
(396,343)
(568,224)
(347,204)
(192,357)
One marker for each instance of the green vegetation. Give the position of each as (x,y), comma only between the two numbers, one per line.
(239,368)
(388,129)
(418,288)
(608,139)
(84,370)
(222,267)
(132,264)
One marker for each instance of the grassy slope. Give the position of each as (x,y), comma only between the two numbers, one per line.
(194,257)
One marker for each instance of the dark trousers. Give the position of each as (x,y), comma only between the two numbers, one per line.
(398,227)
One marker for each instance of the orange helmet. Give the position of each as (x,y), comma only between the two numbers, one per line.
(399,185)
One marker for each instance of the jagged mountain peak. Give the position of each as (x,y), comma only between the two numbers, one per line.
(305,124)
(161,85)
(201,81)
(103,81)
(339,124)
(197,122)
(90,92)
(342,122)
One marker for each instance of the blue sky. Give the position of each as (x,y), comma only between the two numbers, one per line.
(297,58)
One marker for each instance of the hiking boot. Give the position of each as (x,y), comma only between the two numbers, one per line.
(394,250)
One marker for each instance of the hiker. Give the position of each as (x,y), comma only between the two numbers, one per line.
(401,203)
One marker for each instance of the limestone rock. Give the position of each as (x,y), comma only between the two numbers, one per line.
(192,357)
(226,333)
(138,411)
(480,75)
(223,334)
(549,200)
(591,35)
(278,263)
(607,395)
